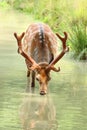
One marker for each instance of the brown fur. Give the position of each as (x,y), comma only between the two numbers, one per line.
(40,53)
(40,50)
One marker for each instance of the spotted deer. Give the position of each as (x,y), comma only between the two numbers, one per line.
(40,50)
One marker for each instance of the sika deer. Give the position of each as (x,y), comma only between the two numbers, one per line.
(40,50)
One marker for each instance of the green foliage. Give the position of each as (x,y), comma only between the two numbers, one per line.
(78,40)
(23,5)
(4,4)
(50,12)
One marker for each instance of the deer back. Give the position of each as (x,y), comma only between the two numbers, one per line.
(40,43)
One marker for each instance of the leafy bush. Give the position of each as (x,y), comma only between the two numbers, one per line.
(78,40)
(23,5)
(4,4)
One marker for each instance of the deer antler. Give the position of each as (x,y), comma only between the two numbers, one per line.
(19,38)
(19,41)
(65,49)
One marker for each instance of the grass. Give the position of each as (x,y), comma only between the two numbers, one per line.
(78,41)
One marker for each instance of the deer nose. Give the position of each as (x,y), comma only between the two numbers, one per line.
(42,93)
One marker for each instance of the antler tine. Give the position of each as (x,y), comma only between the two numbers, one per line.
(19,38)
(65,49)
(54,69)
(63,39)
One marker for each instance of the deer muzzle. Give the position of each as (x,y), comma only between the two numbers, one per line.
(43,89)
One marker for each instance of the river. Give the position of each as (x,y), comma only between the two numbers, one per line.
(64,108)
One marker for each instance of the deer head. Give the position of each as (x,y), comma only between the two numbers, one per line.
(42,69)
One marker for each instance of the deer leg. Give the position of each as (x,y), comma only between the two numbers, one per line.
(28,81)
(33,81)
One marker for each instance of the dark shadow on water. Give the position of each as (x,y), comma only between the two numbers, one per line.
(38,113)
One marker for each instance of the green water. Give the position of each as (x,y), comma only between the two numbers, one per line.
(65,108)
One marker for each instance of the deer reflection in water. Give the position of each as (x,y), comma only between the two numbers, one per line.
(38,113)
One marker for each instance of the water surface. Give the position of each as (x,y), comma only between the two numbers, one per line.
(65,108)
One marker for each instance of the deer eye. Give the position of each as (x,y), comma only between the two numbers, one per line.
(38,77)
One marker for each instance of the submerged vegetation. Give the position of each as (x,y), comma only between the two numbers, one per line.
(62,16)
